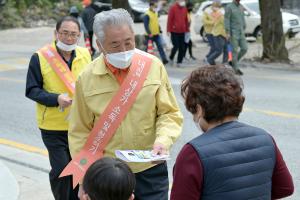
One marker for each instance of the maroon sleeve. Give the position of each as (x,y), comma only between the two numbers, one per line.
(282,182)
(187,175)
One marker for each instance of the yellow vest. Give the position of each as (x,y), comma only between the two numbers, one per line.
(153,22)
(50,118)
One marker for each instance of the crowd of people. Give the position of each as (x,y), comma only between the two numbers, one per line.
(123,99)
(223,27)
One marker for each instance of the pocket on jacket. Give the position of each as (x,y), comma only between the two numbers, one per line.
(145,103)
(150,87)
(98,99)
(99,91)
(149,82)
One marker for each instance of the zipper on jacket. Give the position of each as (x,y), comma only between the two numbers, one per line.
(43,116)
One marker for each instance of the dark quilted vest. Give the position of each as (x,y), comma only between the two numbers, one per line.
(238,162)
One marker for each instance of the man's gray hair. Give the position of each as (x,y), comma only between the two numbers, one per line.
(117,17)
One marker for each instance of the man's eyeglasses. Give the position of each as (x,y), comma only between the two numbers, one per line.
(68,34)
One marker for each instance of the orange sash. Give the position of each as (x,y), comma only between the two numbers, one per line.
(111,118)
(59,66)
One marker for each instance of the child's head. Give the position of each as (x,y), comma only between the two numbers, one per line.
(108,179)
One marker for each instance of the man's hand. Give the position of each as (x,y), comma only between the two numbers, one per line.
(80,191)
(159,149)
(64,101)
(227,37)
(81,194)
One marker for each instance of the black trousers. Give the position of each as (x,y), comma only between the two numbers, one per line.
(178,45)
(152,184)
(56,143)
(188,46)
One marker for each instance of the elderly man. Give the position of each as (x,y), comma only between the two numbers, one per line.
(50,82)
(234,26)
(123,100)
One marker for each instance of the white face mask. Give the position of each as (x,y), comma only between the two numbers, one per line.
(182,3)
(65,47)
(120,60)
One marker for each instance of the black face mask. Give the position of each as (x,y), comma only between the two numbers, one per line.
(74,15)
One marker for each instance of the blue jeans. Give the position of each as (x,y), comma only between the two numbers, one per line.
(157,40)
(210,40)
(219,48)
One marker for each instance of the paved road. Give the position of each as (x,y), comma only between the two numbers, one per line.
(272,102)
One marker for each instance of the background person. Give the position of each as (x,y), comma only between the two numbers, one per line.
(75,13)
(88,15)
(187,36)
(153,30)
(234,26)
(229,159)
(53,100)
(219,35)
(208,23)
(177,25)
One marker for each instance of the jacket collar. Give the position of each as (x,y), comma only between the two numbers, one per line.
(99,66)
(236,3)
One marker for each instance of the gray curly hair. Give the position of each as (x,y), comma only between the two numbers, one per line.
(118,16)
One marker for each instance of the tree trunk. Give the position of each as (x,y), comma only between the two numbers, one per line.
(121,4)
(273,38)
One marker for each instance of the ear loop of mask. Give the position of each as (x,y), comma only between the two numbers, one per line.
(103,48)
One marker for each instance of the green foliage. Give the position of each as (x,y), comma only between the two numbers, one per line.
(16,13)
(40,3)
(9,16)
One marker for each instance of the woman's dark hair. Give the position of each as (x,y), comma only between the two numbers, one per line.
(189,6)
(75,15)
(109,179)
(152,2)
(216,89)
(67,19)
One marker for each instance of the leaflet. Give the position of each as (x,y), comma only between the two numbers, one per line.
(139,156)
